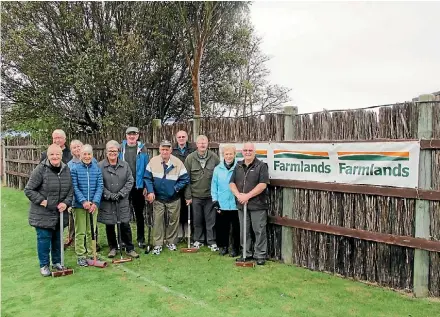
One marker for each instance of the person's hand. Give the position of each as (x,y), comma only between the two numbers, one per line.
(44,203)
(243,198)
(188,201)
(86,205)
(144,192)
(114,197)
(151,197)
(216,206)
(61,207)
(92,208)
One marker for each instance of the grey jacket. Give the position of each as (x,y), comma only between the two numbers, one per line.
(116,180)
(45,184)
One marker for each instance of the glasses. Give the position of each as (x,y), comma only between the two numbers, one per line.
(248,150)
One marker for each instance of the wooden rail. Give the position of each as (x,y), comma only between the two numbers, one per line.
(403,241)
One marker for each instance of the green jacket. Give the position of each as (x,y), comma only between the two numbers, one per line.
(200,178)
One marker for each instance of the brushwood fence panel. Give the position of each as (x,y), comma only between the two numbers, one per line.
(380,263)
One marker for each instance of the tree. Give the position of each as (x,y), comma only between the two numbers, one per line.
(198,23)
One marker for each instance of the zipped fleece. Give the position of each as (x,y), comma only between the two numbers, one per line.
(141,162)
(200,178)
(87,183)
(247,179)
(166,183)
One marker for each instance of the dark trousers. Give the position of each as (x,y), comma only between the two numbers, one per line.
(204,218)
(225,220)
(256,221)
(48,243)
(125,236)
(137,199)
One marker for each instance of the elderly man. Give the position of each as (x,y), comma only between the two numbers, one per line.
(59,138)
(248,184)
(165,177)
(134,153)
(181,150)
(200,166)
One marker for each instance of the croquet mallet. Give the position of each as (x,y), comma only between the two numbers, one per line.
(65,271)
(242,262)
(189,249)
(118,222)
(94,261)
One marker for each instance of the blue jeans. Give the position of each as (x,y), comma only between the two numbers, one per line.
(48,242)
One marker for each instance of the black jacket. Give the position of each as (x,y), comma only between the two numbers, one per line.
(246,178)
(182,156)
(43,184)
(67,156)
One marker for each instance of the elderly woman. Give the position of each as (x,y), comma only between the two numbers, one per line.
(50,192)
(118,182)
(88,187)
(224,202)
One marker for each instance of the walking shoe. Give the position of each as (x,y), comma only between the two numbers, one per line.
(233,253)
(45,271)
(82,262)
(223,251)
(214,247)
(197,244)
(133,254)
(171,247)
(157,250)
(57,267)
(112,253)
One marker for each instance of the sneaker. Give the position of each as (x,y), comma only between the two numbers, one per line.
(223,251)
(214,247)
(197,244)
(133,254)
(57,267)
(157,250)
(171,247)
(82,262)
(261,261)
(45,271)
(112,253)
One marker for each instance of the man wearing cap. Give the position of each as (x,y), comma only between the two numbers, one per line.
(181,150)
(134,153)
(165,177)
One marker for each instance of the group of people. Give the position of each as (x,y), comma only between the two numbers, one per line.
(180,182)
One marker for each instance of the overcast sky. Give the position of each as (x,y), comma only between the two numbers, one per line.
(351,54)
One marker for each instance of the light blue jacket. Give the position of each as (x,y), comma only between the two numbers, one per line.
(220,190)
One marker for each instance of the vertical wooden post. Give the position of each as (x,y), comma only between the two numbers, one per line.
(196,127)
(157,123)
(287,233)
(422,219)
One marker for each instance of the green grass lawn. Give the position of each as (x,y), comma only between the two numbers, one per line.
(176,284)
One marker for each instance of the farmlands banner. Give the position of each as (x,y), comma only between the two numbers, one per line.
(383,163)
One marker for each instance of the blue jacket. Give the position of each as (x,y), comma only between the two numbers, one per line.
(87,183)
(141,162)
(220,190)
(166,181)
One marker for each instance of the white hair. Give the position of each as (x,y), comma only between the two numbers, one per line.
(201,137)
(75,142)
(59,132)
(112,143)
(87,148)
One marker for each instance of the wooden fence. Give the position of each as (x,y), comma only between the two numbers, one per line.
(389,236)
